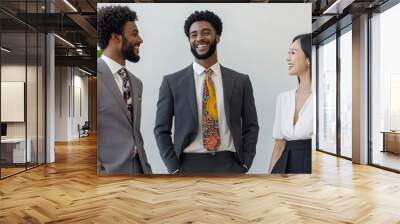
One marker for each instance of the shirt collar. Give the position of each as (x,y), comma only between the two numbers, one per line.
(199,69)
(113,65)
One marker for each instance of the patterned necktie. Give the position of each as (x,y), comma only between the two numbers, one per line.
(209,118)
(126,90)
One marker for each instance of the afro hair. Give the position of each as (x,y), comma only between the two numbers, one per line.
(110,20)
(207,16)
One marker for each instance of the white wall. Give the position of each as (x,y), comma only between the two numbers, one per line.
(68,81)
(15,73)
(61,103)
(80,84)
(33,125)
(255,40)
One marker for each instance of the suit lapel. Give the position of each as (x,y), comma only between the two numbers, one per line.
(111,84)
(135,96)
(228,84)
(189,86)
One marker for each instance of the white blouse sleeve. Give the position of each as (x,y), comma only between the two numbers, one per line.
(276,132)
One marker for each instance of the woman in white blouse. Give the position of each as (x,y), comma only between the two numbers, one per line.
(293,125)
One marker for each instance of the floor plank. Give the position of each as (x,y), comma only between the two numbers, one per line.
(69,191)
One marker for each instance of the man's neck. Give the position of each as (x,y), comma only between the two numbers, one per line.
(208,62)
(114,56)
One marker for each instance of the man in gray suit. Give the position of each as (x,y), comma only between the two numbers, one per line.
(215,118)
(119,141)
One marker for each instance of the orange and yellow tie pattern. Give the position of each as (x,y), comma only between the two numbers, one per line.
(211,136)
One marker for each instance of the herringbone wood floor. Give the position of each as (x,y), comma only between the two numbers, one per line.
(69,191)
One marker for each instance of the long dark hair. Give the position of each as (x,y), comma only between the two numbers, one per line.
(305,43)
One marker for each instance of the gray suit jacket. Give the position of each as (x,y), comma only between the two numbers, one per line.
(117,135)
(177,100)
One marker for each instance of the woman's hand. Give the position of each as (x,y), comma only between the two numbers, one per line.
(276,153)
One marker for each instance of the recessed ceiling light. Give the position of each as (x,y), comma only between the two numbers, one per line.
(84,71)
(338,6)
(64,40)
(5,50)
(70,5)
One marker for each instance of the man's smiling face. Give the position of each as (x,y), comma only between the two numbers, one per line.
(203,39)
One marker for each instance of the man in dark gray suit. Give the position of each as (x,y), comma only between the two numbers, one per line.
(119,141)
(213,109)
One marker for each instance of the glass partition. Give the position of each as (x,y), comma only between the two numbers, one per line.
(13,103)
(22,88)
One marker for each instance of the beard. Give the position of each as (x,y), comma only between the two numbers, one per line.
(128,51)
(206,55)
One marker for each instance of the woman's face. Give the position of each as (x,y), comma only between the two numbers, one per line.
(297,61)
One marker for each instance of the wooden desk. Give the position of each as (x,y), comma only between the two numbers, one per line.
(391,141)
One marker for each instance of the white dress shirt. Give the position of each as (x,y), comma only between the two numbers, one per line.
(225,134)
(114,67)
(284,114)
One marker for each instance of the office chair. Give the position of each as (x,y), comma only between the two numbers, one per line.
(84,130)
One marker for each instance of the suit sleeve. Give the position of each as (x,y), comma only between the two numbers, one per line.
(249,124)
(140,112)
(140,93)
(163,125)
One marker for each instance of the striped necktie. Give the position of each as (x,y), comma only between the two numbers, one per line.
(211,137)
(126,90)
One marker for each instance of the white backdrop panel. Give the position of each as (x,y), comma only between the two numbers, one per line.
(255,40)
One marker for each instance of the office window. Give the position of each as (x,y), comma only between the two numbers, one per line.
(395,101)
(346,93)
(327,96)
(385,88)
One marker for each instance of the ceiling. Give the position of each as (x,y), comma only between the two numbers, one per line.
(76,21)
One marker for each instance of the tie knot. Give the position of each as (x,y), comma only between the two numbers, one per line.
(122,72)
(208,71)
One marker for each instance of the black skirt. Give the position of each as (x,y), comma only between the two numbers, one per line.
(295,158)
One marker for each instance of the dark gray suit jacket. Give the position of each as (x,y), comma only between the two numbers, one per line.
(177,100)
(117,135)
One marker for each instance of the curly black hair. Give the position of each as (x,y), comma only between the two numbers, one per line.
(110,20)
(206,15)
